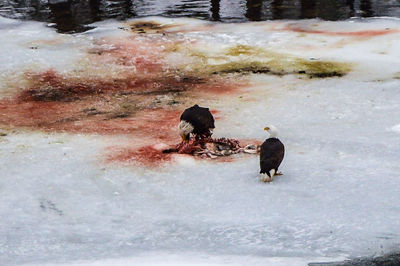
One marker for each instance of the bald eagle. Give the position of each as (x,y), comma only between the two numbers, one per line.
(196,120)
(271,155)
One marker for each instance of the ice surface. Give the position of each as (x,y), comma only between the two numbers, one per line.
(62,202)
(183,259)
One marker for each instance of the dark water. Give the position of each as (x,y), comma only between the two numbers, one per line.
(74,15)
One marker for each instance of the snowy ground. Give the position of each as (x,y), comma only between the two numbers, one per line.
(63,203)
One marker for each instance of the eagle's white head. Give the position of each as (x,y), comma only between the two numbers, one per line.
(184,129)
(272,130)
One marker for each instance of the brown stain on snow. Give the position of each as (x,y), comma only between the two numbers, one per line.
(146,26)
(142,27)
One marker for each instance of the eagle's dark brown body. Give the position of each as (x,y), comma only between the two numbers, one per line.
(200,118)
(271,155)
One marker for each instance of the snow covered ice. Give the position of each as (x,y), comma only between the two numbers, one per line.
(66,201)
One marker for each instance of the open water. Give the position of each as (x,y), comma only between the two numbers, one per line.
(70,16)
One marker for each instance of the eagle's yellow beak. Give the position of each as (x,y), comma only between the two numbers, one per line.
(185,138)
(266,128)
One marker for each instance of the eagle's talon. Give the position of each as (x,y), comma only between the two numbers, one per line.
(266,179)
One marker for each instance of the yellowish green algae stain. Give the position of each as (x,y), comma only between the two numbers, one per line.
(247,59)
(243,50)
(322,69)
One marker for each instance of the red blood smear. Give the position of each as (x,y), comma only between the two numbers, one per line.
(216,113)
(145,56)
(145,156)
(361,34)
(57,103)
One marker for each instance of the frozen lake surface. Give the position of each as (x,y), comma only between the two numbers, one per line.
(74,114)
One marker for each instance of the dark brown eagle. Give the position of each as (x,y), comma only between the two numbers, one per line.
(271,155)
(197,121)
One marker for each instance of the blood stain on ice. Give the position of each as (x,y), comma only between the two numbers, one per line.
(146,108)
(359,34)
(144,156)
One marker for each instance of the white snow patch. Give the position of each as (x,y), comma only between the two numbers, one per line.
(396,128)
(160,146)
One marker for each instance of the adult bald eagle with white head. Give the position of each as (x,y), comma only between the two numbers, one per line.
(197,121)
(271,155)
